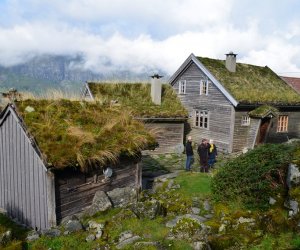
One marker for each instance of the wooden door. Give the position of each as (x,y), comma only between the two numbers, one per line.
(263,130)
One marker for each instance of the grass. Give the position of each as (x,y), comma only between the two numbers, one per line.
(252,84)
(192,184)
(83,134)
(136,97)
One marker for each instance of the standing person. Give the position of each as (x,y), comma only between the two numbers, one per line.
(189,154)
(203,155)
(212,154)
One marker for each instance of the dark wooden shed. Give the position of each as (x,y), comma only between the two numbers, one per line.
(52,155)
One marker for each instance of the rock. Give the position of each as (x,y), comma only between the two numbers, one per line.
(245,220)
(149,209)
(90,238)
(293,176)
(125,235)
(172,223)
(170,184)
(196,210)
(3,211)
(73,226)
(5,238)
(99,234)
(208,216)
(97,226)
(52,233)
(293,206)
(32,235)
(146,245)
(100,203)
(166,176)
(65,220)
(29,109)
(196,201)
(157,186)
(127,242)
(222,228)
(121,197)
(66,232)
(272,201)
(200,245)
(206,205)
(177,186)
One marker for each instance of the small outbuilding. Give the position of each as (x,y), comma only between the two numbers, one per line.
(53,154)
(155,104)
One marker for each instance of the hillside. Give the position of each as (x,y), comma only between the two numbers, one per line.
(57,72)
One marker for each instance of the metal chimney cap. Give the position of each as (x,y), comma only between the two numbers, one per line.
(156,76)
(230,54)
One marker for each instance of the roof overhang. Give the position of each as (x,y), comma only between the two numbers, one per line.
(193,58)
(161,119)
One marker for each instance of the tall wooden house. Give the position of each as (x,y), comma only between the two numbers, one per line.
(237,105)
(155,104)
(52,155)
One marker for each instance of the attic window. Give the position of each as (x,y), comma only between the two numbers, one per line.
(204,87)
(182,87)
(282,123)
(201,119)
(245,120)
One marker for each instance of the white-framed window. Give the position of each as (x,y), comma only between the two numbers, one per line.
(283,122)
(245,120)
(182,87)
(201,118)
(203,87)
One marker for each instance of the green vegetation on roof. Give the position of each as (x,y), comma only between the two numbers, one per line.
(263,111)
(252,84)
(82,134)
(137,98)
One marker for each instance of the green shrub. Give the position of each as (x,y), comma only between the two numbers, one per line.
(253,177)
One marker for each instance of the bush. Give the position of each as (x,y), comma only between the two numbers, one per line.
(253,177)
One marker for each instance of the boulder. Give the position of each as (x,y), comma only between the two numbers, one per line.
(52,233)
(66,219)
(197,218)
(206,205)
(272,201)
(121,197)
(100,203)
(293,206)
(149,209)
(293,176)
(196,210)
(201,245)
(90,238)
(127,242)
(73,226)
(32,235)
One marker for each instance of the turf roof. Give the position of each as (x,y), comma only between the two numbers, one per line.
(252,84)
(137,98)
(82,134)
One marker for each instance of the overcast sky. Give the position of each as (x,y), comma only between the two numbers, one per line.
(156,34)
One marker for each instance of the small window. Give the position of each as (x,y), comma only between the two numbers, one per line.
(201,119)
(282,123)
(182,87)
(245,120)
(203,87)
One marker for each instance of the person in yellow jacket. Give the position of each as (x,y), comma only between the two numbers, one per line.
(212,154)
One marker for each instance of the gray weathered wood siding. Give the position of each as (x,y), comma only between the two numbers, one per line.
(75,190)
(220,110)
(293,127)
(244,136)
(169,136)
(23,176)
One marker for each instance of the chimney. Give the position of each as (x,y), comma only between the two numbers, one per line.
(156,89)
(231,61)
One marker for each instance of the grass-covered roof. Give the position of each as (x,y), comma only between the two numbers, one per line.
(82,134)
(252,84)
(137,98)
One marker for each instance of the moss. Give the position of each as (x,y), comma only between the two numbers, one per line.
(262,111)
(136,97)
(73,133)
(252,84)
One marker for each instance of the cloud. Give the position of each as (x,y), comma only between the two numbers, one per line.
(145,36)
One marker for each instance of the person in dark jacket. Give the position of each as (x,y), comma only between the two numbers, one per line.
(212,154)
(203,155)
(189,154)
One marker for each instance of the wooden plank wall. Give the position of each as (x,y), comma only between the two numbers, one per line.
(244,136)
(75,191)
(23,189)
(219,108)
(168,135)
(293,128)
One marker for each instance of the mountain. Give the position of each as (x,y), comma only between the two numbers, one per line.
(56,72)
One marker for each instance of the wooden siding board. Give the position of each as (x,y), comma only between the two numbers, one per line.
(219,108)
(1,170)
(37,190)
(10,169)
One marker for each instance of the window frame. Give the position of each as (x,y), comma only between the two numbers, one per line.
(182,86)
(204,85)
(282,124)
(201,119)
(245,121)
